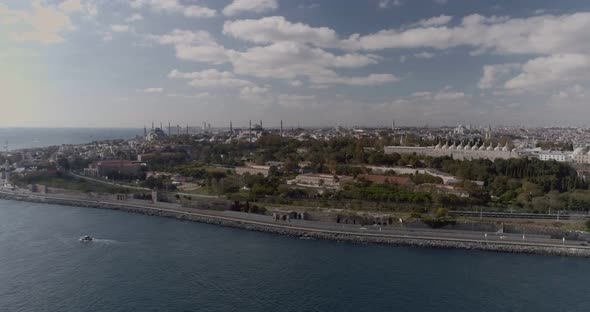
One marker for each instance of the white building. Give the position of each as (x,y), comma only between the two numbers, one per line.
(326,180)
(553,155)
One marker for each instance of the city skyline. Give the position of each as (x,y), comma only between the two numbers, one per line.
(77,63)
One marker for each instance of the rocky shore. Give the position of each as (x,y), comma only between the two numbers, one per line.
(310,233)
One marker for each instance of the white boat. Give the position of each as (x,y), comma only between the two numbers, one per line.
(86,238)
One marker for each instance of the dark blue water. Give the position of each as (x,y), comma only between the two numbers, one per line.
(142,263)
(19,138)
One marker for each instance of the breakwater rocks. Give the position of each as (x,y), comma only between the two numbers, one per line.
(283,228)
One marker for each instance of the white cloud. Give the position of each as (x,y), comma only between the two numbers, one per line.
(494,74)
(120,28)
(44,24)
(201,95)
(424,55)
(384,4)
(210,78)
(278,29)
(441,106)
(289,60)
(435,21)
(174,6)
(134,18)
(296,100)
(108,36)
(256,95)
(257,6)
(370,80)
(296,83)
(151,90)
(546,34)
(197,46)
(69,6)
(551,70)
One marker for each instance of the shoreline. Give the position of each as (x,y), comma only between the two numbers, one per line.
(310,232)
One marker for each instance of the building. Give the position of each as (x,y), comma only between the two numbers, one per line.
(581,156)
(459,152)
(553,155)
(326,180)
(110,167)
(253,170)
(383,179)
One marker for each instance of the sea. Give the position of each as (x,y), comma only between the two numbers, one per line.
(21,138)
(143,263)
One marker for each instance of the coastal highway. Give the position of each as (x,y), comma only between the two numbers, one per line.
(313,226)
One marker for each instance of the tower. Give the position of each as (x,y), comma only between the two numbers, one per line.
(231,129)
(392,124)
(250,131)
(144,132)
(152,125)
(281,128)
(169,130)
(260,124)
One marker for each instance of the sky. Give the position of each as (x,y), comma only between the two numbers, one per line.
(126,63)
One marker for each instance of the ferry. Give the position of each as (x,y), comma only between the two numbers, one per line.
(86,238)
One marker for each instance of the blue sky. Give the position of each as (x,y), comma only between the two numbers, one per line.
(123,63)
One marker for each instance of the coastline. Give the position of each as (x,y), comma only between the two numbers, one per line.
(287,229)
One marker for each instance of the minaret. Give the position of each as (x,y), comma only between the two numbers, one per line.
(204,126)
(260,124)
(392,124)
(281,128)
(231,129)
(144,132)
(6,172)
(187,130)
(250,131)
(152,125)
(169,129)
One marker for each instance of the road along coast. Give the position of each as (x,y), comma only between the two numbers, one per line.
(307,231)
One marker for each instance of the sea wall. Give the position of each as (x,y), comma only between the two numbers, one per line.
(289,230)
